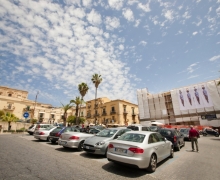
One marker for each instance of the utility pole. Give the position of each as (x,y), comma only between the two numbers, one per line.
(35,104)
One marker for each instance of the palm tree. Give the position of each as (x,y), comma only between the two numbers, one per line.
(83,89)
(9,117)
(66,108)
(77,102)
(96,79)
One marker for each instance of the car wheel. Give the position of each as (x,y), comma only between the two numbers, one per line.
(216,135)
(178,147)
(53,142)
(80,147)
(171,152)
(153,164)
(48,139)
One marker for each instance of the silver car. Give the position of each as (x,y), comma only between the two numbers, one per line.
(98,144)
(73,138)
(143,149)
(44,134)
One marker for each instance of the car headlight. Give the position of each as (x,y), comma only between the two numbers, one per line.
(100,143)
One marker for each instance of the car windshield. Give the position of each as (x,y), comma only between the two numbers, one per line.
(132,137)
(184,131)
(107,133)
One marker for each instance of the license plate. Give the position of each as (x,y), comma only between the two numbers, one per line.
(62,142)
(121,150)
(87,147)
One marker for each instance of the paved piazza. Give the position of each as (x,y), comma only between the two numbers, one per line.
(23,157)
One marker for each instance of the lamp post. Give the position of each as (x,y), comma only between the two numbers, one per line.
(35,104)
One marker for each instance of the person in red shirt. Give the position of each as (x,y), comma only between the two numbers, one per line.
(194,135)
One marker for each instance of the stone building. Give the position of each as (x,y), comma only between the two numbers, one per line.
(111,112)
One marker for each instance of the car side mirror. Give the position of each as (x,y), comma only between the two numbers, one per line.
(165,139)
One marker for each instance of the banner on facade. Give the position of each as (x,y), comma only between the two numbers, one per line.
(194,97)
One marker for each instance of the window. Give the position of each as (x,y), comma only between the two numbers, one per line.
(9,95)
(81,113)
(113,109)
(104,111)
(124,108)
(145,129)
(153,138)
(132,110)
(41,115)
(161,138)
(9,106)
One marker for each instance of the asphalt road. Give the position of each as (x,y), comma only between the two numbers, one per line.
(23,157)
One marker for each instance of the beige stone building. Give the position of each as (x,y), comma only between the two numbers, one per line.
(105,112)
(110,112)
(15,101)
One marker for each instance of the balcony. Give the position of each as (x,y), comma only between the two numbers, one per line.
(134,114)
(104,114)
(96,115)
(88,116)
(9,108)
(113,112)
(125,112)
(89,106)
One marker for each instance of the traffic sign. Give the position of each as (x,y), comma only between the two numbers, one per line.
(26,114)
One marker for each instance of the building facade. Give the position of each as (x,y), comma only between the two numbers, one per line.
(197,104)
(111,112)
(15,101)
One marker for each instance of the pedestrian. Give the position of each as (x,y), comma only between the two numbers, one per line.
(194,135)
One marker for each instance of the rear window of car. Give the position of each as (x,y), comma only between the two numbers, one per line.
(145,129)
(132,137)
(134,128)
(165,132)
(71,129)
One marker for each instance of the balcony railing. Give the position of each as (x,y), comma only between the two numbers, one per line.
(96,115)
(89,106)
(104,114)
(88,116)
(9,108)
(134,114)
(113,112)
(125,112)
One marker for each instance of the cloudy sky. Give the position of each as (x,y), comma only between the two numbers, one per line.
(51,46)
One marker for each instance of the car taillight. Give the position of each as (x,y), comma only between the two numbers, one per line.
(136,150)
(41,133)
(57,134)
(110,146)
(174,138)
(74,137)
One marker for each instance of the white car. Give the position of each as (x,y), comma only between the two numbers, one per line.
(44,134)
(143,149)
(73,138)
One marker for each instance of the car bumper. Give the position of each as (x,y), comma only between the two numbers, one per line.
(140,162)
(51,138)
(70,144)
(40,137)
(101,150)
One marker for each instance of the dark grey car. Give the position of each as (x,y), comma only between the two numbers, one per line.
(98,144)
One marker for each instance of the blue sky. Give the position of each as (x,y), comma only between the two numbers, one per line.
(52,46)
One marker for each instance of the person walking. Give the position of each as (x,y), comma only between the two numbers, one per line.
(194,135)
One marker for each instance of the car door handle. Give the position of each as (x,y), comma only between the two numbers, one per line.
(156,148)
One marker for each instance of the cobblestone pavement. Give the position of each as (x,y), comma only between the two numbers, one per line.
(23,157)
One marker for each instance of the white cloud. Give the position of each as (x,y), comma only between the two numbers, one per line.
(143,43)
(145,7)
(128,14)
(192,68)
(112,23)
(116,4)
(94,18)
(194,33)
(148,67)
(169,15)
(214,58)
(193,76)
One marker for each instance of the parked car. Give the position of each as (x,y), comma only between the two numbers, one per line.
(210,132)
(43,134)
(73,138)
(155,128)
(33,127)
(138,127)
(174,136)
(185,132)
(98,144)
(55,134)
(94,131)
(143,149)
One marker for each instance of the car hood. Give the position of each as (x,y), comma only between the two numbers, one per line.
(93,140)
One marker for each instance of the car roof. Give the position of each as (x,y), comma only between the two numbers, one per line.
(117,128)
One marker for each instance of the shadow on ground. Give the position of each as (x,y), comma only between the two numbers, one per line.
(92,156)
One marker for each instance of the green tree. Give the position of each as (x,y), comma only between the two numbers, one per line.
(72,120)
(9,117)
(66,108)
(1,113)
(33,121)
(77,102)
(96,79)
(83,89)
